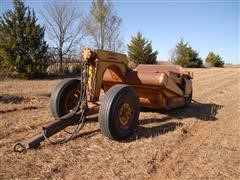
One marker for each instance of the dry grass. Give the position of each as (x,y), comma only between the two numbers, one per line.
(199,142)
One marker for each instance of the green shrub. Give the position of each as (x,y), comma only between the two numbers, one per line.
(214,59)
(184,55)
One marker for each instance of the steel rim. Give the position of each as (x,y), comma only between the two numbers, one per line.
(126,115)
(71,100)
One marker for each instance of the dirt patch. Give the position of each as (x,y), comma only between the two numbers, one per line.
(199,142)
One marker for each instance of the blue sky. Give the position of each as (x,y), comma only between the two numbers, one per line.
(207,25)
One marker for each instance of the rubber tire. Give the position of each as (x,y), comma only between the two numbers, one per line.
(109,109)
(58,95)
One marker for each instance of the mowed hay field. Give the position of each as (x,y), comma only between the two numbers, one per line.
(200,142)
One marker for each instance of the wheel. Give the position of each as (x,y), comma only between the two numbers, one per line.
(65,97)
(188,100)
(119,112)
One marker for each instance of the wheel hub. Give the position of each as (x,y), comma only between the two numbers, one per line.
(71,101)
(125,115)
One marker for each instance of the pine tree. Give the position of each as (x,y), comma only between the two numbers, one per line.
(214,59)
(186,56)
(22,45)
(140,51)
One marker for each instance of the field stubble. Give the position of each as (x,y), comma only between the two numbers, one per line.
(199,142)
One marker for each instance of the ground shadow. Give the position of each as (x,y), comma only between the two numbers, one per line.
(45,94)
(142,132)
(87,134)
(92,119)
(154,120)
(146,132)
(197,110)
(6,99)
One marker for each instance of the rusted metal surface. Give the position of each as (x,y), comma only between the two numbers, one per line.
(158,86)
(168,69)
(50,129)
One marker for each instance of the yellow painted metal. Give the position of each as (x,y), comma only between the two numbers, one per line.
(112,56)
(116,63)
(101,67)
(91,74)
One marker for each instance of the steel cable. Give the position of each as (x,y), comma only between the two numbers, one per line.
(75,111)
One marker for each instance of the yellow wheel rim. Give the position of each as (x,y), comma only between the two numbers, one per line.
(125,115)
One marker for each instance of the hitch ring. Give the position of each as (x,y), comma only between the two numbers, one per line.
(19,147)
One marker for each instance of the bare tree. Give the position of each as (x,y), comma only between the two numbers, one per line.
(64,26)
(103,26)
(114,40)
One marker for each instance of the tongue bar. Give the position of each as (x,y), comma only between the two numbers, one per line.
(49,130)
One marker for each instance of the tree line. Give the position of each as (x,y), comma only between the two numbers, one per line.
(24,50)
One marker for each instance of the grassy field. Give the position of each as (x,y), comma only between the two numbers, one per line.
(202,141)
